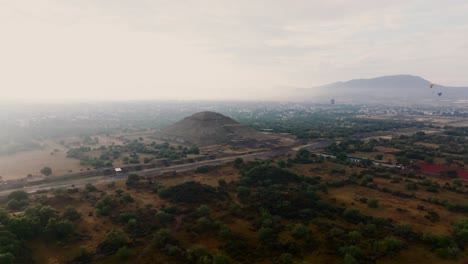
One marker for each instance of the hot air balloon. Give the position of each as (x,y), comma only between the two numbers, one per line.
(332,101)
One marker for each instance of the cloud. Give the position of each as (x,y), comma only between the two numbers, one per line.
(214,49)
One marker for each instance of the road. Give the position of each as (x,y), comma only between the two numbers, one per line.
(151,172)
(275,152)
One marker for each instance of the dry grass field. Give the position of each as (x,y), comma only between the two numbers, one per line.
(20,164)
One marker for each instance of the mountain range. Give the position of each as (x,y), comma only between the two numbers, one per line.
(384,88)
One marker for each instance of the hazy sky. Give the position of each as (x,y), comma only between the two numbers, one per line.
(217,49)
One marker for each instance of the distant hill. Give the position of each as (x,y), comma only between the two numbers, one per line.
(211,128)
(392,87)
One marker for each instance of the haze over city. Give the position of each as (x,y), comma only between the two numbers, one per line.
(251,50)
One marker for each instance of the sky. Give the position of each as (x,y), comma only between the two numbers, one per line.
(84,50)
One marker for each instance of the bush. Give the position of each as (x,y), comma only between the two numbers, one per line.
(18,195)
(221,259)
(435,241)
(432,216)
(460,231)
(90,188)
(113,241)
(222,183)
(238,162)
(299,231)
(189,192)
(163,237)
(124,253)
(163,217)
(60,229)
(198,254)
(353,215)
(132,179)
(202,169)
(373,203)
(389,246)
(127,198)
(243,192)
(71,214)
(354,236)
(284,258)
(105,205)
(203,210)
(14,204)
(7,258)
(46,171)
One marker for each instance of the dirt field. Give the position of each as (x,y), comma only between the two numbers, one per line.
(19,165)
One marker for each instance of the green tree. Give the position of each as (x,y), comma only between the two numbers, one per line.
(238,162)
(105,205)
(14,204)
(193,150)
(47,171)
(71,213)
(113,241)
(133,179)
(202,169)
(9,243)
(18,195)
(303,156)
(61,229)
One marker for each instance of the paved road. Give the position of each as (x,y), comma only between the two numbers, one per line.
(152,172)
(276,152)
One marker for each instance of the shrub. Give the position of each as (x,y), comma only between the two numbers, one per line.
(202,169)
(90,188)
(105,205)
(71,214)
(163,217)
(14,204)
(113,241)
(60,229)
(124,253)
(163,237)
(432,216)
(18,195)
(132,179)
(373,203)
